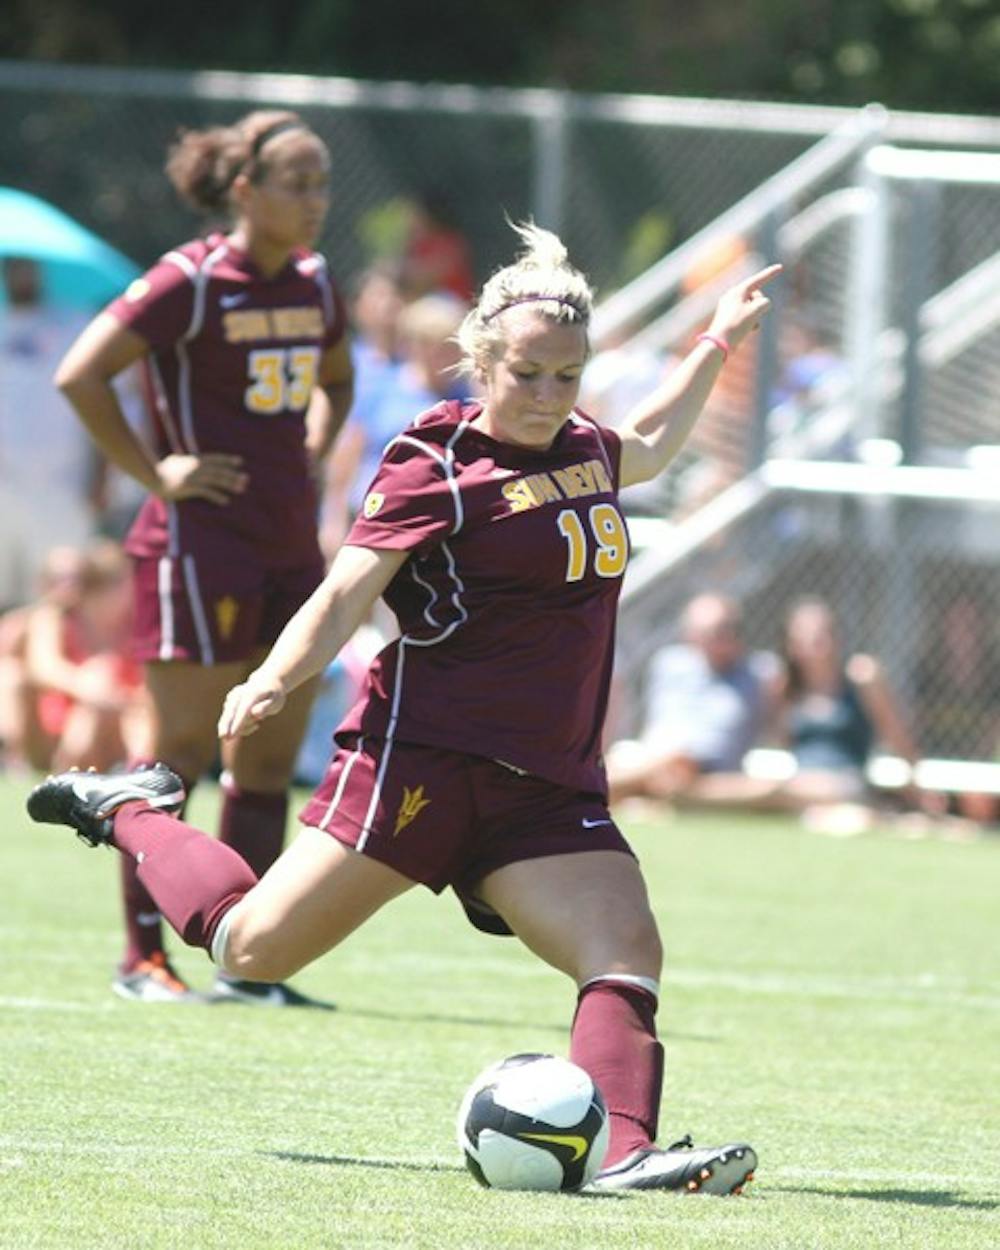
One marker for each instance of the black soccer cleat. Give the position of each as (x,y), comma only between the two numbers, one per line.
(683,1167)
(87,801)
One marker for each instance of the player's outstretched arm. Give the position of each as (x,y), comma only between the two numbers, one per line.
(313,637)
(656,429)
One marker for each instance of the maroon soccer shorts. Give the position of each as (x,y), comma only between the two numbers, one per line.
(443,818)
(213,611)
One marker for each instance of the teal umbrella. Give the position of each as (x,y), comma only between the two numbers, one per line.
(79,268)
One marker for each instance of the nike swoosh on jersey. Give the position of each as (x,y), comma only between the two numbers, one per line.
(230,301)
(592,824)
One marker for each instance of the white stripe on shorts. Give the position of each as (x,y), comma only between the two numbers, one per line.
(198,610)
(341,785)
(164,570)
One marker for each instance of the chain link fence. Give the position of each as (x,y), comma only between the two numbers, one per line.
(914,582)
(94,141)
(885,333)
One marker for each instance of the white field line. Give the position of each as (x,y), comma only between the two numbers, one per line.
(926,990)
(53,1004)
(16,1152)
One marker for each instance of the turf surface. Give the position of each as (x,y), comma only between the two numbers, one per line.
(835,1001)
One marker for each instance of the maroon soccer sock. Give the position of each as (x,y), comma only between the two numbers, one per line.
(253,824)
(193,879)
(614,1040)
(143,925)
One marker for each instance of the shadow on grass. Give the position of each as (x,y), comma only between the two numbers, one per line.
(398,1165)
(355,1161)
(915,1197)
(487,1022)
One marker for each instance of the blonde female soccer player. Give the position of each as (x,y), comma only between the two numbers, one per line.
(473,759)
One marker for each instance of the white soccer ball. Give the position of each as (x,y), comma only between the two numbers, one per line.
(533,1122)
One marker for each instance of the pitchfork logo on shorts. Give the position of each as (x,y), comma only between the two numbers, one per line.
(226,612)
(412,805)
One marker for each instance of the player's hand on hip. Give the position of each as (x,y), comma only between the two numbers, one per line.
(248,704)
(213,475)
(741,308)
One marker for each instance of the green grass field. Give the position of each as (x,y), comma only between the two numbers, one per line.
(837,1002)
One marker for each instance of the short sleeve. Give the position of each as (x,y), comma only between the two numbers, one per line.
(410,505)
(158,306)
(613,447)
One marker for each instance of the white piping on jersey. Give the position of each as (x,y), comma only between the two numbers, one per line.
(200,283)
(184,263)
(432,596)
(447,461)
(315,267)
(198,609)
(352,759)
(199,280)
(189,442)
(164,572)
(163,406)
(173,531)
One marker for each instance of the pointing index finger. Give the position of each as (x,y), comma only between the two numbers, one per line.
(759,279)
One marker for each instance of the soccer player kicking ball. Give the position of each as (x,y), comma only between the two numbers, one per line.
(492,529)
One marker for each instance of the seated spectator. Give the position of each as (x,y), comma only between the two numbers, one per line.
(90,702)
(707,704)
(833,710)
(957,683)
(376,306)
(24,742)
(48,466)
(423,376)
(436,255)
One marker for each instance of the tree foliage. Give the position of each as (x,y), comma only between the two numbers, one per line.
(930,54)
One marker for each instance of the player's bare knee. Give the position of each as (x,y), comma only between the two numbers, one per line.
(629,943)
(257,952)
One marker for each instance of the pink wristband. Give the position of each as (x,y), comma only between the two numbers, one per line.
(716,341)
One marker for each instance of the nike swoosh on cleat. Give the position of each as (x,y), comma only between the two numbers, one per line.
(174,799)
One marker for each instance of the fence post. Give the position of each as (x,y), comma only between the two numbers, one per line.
(865,308)
(550,123)
(918,278)
(767,363)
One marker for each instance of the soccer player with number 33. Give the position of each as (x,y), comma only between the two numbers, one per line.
(473,759)
(244,339)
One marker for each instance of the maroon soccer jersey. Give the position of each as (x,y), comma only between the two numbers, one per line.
(507,604)
(234,359)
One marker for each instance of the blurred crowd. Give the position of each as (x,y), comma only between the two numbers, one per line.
(69,694)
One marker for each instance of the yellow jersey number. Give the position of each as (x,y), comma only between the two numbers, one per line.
(281,379)
(608,530)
